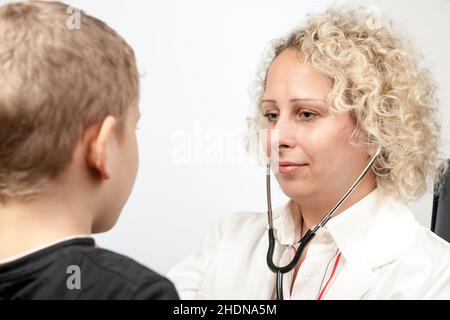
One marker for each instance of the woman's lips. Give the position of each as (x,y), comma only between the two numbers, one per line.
(289,167)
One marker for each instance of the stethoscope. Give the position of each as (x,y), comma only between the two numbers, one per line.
(310,234)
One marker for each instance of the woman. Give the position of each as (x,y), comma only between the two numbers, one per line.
(334,90)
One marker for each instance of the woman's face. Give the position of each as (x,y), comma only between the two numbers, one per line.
(316,158)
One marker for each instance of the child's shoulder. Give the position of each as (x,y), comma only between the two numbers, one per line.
(117,275)
(77,269)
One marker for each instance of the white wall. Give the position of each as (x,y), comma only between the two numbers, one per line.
(198,59)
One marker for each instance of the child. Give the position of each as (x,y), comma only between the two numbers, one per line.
(68,156)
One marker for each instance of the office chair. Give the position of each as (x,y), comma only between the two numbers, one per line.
(440,220)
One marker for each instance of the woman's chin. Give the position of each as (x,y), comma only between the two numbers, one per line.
(296,193)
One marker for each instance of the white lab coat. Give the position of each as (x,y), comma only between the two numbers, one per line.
(393,258)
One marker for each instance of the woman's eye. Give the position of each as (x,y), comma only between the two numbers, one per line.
(271,116)
(302,115)
(308,116)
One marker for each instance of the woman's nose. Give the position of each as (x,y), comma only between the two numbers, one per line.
(286,133)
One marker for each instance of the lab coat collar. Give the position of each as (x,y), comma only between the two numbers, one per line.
(367,244)
(284,225)
(349,228)
(342,227)
(377,227)
(374,231)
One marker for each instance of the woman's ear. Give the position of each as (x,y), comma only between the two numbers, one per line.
(99,151)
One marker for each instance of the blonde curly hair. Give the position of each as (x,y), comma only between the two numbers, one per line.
(376,77)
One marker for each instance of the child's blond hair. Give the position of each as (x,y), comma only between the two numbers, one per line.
(54,82)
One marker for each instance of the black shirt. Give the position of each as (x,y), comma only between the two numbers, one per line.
(76,269)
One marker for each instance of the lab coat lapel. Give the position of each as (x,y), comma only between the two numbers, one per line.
(392,232)
(352,283)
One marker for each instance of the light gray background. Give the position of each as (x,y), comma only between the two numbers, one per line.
(198,60)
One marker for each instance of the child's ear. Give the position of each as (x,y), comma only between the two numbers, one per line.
(99,149)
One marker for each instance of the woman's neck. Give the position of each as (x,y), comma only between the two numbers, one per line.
(308,213)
